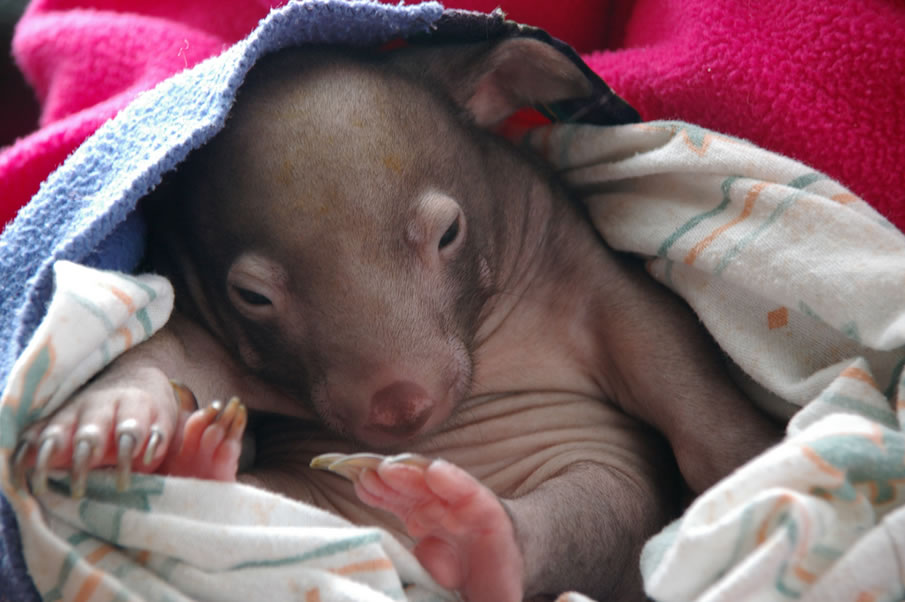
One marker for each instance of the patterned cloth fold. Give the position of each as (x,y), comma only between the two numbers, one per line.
(800,282)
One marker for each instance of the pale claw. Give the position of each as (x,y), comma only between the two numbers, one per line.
(154,442)
(87,442)
(125,448)
(81,456)
(22,449)
(184,396)
(127,434)
(351,465)
(348,466)
(323,461)
(410,460)
(46,449)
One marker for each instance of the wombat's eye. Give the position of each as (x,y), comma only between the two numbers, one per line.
(251,297)
(256,286)
(450,235)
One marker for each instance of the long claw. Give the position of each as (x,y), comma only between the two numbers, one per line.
(323,461)
(360,460)
(87,443)
(124,452)
(349,466)
(42,465)
(410,459)
(81,458)
(240,420)
(228,413)
(184,396)
(22,449)
(154,442)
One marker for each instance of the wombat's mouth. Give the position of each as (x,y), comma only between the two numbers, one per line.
(399,406)
(393,436)
(402,425)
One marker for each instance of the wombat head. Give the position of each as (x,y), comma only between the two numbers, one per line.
(347,231)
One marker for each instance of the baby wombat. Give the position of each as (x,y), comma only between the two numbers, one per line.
(357,253)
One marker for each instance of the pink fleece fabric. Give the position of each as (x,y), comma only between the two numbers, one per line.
(822,81)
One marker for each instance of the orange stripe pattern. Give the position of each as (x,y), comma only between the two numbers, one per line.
(748,208)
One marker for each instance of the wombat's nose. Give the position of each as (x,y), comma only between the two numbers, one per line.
(400,409)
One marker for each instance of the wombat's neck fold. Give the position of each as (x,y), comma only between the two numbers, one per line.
(548,253)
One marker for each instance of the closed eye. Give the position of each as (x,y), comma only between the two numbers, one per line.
(251,297)
(450,235)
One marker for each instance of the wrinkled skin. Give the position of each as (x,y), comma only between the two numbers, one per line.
(369,269)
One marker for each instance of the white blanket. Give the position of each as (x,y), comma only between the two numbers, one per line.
(802,285)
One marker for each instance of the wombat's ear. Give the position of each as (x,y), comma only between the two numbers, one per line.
(518,73)
(494,80)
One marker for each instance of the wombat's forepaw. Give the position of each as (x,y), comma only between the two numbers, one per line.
(129,427)
(154,427)
(465,538)
(211,443)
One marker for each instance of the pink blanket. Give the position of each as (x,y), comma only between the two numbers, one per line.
(822,81)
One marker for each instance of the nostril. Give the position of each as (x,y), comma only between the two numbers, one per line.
(400,408)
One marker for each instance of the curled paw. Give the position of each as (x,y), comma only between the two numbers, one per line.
(151,426)
(464,536)
(129,426)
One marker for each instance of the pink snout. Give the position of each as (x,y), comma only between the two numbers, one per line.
(400,409)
